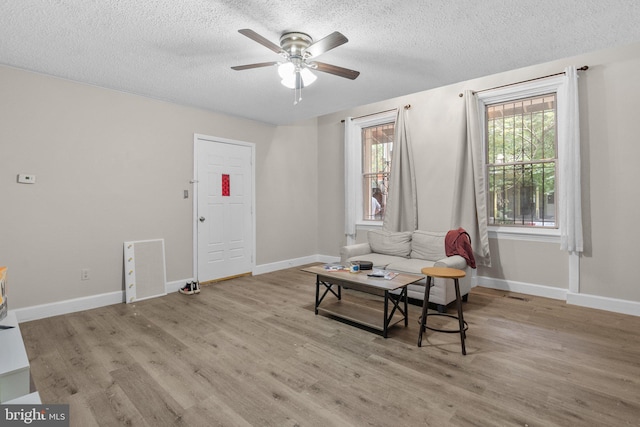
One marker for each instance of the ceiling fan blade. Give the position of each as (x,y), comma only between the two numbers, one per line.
(334,69)
(263,41)
(250,66)
(333,40)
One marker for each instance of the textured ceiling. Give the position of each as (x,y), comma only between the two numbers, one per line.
(182,51)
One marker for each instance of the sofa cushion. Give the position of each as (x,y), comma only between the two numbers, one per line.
(428,245)
(390,242)
(409,265)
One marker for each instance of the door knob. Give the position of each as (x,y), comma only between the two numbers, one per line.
(201,219)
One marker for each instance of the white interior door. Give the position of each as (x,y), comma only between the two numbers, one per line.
(225,223)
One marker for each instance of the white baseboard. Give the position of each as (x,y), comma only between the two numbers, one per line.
(295,262)
(174,286)
(79,304)
(605,303)
(522,287)
(591,301)
(68,306)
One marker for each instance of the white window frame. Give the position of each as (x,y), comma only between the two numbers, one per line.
(356,163)
(511,93)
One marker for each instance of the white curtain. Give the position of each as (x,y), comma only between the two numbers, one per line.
(570,201)
(401,212)
(469,197)
(351,177)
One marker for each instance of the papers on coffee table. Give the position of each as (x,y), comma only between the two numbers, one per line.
(334,267)
(383,274)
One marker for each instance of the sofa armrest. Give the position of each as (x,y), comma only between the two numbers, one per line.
(347,252)
(455,261)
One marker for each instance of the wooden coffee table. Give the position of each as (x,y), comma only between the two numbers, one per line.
(333,281)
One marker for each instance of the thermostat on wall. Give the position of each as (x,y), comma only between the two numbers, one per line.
(24,178)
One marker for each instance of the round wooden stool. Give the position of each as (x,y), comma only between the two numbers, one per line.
(445,273)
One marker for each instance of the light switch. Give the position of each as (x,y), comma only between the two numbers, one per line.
(24,178)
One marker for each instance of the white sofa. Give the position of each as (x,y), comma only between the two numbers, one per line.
(409,252)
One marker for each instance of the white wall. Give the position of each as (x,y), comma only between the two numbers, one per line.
(611,195)
(287,195)
(112,167)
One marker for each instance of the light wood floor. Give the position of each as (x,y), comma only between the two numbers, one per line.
(250,351)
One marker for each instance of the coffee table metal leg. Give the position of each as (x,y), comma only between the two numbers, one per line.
(460,318)
(386,313)
(317,292)
(406,308)
(328,287)
(425,305)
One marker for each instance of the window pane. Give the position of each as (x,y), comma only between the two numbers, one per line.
(521,162)
(375,196)
(377,145)
(522,194)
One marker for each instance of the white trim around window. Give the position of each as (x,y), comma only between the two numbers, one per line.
(549,235)
(356,163)
(525,90)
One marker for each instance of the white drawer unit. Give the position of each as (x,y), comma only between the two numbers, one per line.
(14,363)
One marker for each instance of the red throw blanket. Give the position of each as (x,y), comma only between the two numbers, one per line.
(458,242)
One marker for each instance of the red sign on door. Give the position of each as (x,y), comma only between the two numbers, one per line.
(226,186)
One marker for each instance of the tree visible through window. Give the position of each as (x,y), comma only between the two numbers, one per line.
(521,162)
(377,145)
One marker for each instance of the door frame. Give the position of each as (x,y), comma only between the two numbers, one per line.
(200,138)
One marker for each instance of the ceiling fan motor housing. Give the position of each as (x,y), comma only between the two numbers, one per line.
(295,43)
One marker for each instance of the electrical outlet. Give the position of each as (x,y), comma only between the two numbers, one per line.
(84,274)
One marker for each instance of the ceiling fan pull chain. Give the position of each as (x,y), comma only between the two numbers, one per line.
(297,95)
(297,91)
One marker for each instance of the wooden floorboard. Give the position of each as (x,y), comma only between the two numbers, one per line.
(251,352)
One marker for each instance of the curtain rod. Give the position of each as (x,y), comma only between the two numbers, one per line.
(583,68)
(406,107)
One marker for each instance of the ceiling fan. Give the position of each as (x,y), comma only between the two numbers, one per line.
(299,50)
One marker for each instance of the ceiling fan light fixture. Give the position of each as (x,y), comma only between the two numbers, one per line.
(287,72)
(286,69)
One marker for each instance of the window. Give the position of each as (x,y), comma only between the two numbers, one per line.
(521,147)
(368,148)
(377,145)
